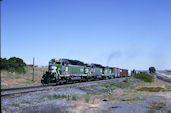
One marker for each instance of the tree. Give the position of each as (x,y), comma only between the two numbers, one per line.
(12,64)
(152,69)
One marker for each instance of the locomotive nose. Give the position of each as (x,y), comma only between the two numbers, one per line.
(53,69)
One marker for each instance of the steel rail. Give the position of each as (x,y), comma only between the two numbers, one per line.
(20,88)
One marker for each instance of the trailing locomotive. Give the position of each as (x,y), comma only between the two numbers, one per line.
(65,70)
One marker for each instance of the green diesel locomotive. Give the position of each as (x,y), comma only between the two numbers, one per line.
(66,70)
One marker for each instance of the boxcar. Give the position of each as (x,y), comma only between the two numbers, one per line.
(116,72)
(123,72)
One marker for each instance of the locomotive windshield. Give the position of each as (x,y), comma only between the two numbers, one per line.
(54,63)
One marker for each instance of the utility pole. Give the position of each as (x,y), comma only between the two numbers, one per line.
(33,70)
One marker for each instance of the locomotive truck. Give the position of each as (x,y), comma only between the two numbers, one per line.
(65,70)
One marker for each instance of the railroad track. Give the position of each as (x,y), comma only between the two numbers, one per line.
(162,78)
(20,88)
(24,90)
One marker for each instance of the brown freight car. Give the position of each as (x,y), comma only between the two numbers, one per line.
(123,72)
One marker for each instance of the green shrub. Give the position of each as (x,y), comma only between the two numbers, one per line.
(150,89)
(157,105)
(151,111)
(106,85)
(16,105)
(121,85)
(126,80)
(87,98)
(144,77)
(169,111)
(74,97)
(52,97)
(68,97)
(12,64)
(109,94)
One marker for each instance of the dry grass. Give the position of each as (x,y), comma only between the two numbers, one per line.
(96,99)
(142,91)
(159,83)
(169,111)
(151,111)
(157,105)
(150,89)
(154,89)
(119,93)
(53,97)
(155,86)
(82,107)
(9,79)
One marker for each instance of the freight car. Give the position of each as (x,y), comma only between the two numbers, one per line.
(66,70)
(116,72)
(123,72)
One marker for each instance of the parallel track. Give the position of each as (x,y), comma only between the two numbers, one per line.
(164,79)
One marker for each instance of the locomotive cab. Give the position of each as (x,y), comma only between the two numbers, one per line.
(53,72)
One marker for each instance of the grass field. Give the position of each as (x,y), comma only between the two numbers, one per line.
(9,79)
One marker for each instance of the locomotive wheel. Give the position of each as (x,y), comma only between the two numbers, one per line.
(42,81)
(47,80)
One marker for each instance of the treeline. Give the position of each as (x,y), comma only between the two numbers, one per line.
(12,64)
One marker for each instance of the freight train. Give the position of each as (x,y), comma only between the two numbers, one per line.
(65,70)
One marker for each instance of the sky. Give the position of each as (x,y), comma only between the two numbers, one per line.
(131,34)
